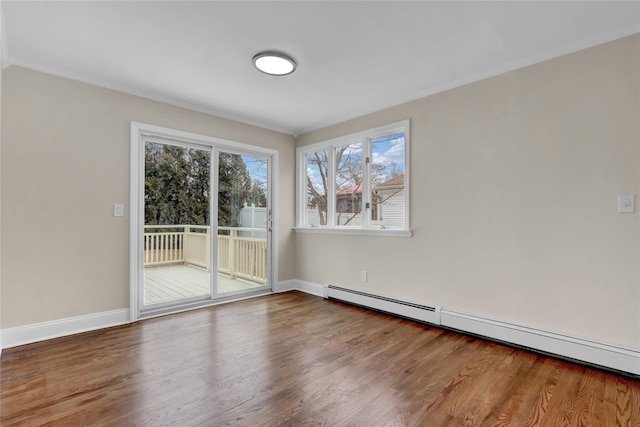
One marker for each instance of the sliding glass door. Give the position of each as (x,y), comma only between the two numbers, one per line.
(196,248)
(243,220)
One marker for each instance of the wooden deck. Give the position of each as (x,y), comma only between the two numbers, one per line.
(174,282)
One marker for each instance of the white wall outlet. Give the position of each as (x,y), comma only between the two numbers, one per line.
(626,204)
(118,209)
(363,276)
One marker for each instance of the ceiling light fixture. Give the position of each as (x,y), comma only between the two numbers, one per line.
(274,63)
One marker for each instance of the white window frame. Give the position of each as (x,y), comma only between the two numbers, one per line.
(331,145)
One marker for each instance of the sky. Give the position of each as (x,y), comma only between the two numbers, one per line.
(257,167)
(386,149)
(389,149)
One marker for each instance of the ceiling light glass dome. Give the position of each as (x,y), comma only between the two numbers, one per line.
(274,63)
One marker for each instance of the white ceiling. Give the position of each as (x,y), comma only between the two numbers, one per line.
(353,57)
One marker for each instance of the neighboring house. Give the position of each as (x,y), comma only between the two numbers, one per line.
(349,206)
(388,204)
(389,200)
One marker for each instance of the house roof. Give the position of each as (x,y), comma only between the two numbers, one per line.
(396,181)
(355,189)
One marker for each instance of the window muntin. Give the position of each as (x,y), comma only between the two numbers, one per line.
(356,182)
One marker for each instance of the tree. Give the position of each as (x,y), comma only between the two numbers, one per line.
(166,177)
(177,186)
(234,188)
(349,182)
(317,197)
(258,195)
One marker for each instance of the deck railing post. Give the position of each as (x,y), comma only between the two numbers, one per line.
(187,244)
(207,248)
(233,234)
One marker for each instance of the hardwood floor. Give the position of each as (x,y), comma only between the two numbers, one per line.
(297,360)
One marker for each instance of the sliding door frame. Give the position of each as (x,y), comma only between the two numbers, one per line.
(140,132)
(215,209)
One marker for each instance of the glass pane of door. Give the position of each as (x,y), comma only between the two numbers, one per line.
(243,219)
(177,221)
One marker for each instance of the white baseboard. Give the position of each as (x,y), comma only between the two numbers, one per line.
(302,286)
(580,349)
(285,286)
(312,288)
(20,335)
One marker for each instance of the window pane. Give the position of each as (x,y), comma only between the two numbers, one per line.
(387,181)
(349,185)
(316,194)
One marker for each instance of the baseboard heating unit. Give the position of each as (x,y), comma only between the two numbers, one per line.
(423,313)
(582,350)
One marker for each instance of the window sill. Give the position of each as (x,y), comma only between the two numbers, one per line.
(355,231)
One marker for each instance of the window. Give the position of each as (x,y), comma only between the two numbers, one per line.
(357,184)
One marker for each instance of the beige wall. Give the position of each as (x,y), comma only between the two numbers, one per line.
(514,200)
(65,162)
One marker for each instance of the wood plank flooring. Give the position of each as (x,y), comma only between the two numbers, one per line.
(297,360)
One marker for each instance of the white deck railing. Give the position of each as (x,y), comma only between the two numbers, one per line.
(243,257)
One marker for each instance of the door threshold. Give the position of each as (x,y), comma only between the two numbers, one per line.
(148,314)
